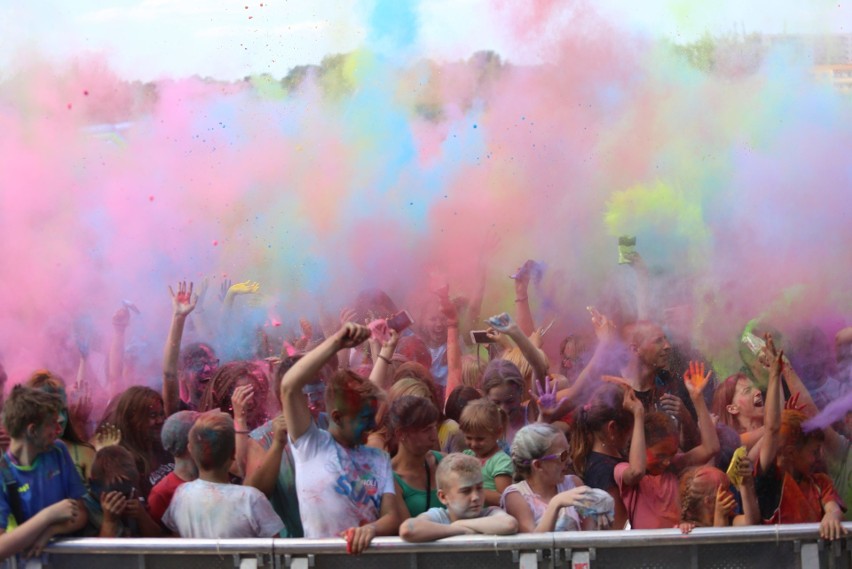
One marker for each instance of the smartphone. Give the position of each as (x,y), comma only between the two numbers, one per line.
(400,321)
(481,337)
(626,249)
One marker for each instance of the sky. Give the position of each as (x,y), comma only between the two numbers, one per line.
(230,39)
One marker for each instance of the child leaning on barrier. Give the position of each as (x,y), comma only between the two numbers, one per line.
(788,489)
(649,481)
(543,497)
(460,490)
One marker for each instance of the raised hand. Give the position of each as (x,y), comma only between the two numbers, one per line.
(347,315)
(121,318)
(503,323)
(240,401)
(184,301)
(695,379)
(351,335)
(545,398)
(604,328)
(793,403)
(108,435)
(307,334)
(776,357)
(246,287)
(223,289)
(631,402)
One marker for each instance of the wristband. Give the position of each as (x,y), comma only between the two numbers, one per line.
(381,357)
(524,299)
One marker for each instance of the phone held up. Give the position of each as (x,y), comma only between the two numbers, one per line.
(400,321)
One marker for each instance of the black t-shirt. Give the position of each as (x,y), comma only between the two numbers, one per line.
(600,469)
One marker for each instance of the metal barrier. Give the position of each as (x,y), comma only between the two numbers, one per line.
(772,547)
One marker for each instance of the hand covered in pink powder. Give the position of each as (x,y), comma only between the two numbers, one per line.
(184,301)
(380,331)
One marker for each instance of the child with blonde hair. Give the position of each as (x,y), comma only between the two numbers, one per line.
(483,424)
(707,501)
(460,490)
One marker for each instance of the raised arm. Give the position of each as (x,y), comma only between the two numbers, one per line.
(638,457)
(262,466)
(696,380)
(182,304)
(454,354)
(505,325)
(293,401)
(748,494)
(115,367)
(774,404)
(522,299)
(381,372)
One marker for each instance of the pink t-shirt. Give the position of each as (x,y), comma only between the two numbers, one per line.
(652,504)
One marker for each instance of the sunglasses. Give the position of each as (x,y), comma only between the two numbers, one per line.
(561,457)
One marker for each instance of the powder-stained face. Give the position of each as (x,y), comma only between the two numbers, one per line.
(747,401)
(659,456)
(356,426)
(507,396)
(43,436)
(654,350)
(464,497)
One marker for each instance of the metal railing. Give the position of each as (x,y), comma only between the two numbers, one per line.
(773,547)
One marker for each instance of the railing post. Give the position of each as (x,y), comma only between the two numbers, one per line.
(581,560)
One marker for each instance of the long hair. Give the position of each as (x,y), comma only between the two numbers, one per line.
(410,413)
(130,415)
(605,405)
(47,381)
(219,390)
(696,484)
(724,396)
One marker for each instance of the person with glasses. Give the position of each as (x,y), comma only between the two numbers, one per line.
(543,498)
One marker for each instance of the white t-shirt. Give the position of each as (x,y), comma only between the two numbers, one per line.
(568,519)
(216,511)
(338,487)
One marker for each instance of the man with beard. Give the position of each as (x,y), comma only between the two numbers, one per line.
(37,469)
(647,370)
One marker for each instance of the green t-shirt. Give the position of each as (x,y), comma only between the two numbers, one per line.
(499,463)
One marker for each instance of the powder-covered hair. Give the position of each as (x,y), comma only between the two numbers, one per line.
(697,483)
(659,426)
(531,443)
(347,392)
(792,433)
(212,440)
(483,416)
(175,432)
(502,372)
(50,382)
(464,465)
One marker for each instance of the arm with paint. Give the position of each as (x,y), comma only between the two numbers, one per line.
(695,381)
(638,457)
(304,371)
(182,304)
(774,404)
(522,299)
(607,337)
(240,400)
(504,324)
(454,354)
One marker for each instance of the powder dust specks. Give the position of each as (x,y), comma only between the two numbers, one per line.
(366,171)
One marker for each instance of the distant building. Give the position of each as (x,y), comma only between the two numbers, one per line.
(827,49)
(838,75)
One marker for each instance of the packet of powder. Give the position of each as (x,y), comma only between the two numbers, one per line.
(626,249)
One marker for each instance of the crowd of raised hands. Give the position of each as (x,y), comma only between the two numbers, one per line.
(426,423)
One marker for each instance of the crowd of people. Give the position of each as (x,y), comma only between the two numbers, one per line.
(377,427)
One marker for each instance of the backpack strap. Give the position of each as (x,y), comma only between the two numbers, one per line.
(11,484)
